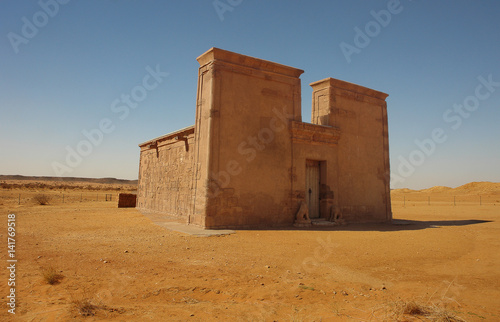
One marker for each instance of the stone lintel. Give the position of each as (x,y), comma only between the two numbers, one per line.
(216,54)
(346,86)
(314,134)
(179,133)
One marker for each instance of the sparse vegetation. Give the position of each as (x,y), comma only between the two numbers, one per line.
(412,308)
(42,199)
(432,312)
(85,306)
(476,315)
(51,276)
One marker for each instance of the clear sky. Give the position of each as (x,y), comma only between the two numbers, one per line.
(67,68)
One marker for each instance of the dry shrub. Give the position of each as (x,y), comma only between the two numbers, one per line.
(51,276)
(89,303)
(431,312)
(42,199)
(4,185)
(412,308)
(86,307)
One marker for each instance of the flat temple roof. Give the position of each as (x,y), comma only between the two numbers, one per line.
(243,60)
(169,135)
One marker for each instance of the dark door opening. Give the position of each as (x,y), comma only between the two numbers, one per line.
(312,188)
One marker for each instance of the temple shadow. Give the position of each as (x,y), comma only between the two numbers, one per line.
(396,225)
(423,224)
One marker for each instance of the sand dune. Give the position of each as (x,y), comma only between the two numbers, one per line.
(436,189)
(472,188)
(402,190)
(479,188)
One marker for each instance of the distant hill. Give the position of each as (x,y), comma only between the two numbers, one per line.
(483,187)
(70,179)
(472,188)
(436,189)
(402,190)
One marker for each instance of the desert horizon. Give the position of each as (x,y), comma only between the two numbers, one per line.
(477,186)
(104,180)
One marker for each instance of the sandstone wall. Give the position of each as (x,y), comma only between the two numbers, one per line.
(363,148)
(245,108)
(166,175)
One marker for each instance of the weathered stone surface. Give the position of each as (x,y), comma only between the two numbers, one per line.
(243,163)
(166,174)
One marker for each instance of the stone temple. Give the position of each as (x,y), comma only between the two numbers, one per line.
(250,162)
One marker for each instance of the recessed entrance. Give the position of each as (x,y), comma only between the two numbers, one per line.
(312,187)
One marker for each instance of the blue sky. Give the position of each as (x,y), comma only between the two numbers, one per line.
(64,63)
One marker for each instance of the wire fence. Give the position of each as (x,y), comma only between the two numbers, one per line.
(56,197)
(10,197)
(440,200)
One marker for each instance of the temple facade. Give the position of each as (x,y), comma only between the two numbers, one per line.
(250,162)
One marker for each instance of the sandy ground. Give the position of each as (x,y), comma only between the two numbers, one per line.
(128,268)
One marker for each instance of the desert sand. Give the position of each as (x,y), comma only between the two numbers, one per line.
(440,254)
